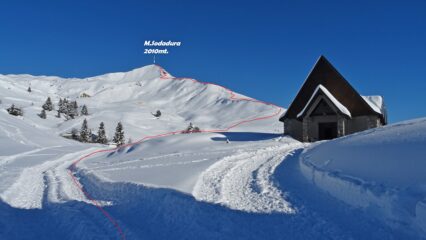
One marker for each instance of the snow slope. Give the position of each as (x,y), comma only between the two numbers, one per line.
(27,157)
(203,165)
(131,97)
(33,143)
(381,171)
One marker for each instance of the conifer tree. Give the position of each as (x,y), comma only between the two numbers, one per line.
(43,114)
(75,106)
(60,104)
(101,134)
(63,106)
(15,111)
(157,114)
(119,135)
(72,109)
(85,133)
(74,134)
(48,106)
(84,111)
(29,89)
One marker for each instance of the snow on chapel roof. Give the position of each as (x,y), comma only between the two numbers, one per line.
(330,96)
(376,103)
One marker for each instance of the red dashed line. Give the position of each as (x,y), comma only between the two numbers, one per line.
(164,76)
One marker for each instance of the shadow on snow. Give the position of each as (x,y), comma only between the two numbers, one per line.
(245,136)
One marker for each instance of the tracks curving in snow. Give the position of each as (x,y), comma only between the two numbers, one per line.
(55,181)
(46,180)
(242,181)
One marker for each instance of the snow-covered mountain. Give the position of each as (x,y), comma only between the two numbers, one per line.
(35,161)
(131,97)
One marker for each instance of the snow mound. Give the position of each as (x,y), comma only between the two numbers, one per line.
(382,169)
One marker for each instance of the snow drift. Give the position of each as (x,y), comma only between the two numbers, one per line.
(380,170)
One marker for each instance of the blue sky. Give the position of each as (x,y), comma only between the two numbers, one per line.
(263,49)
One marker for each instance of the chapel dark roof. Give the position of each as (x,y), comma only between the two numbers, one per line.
(325,74)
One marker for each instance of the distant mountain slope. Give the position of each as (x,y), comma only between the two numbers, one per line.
(131,97)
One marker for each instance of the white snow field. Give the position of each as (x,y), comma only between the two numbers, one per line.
(238,179)
(381,171)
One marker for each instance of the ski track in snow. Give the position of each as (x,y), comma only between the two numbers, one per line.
(50,177)
(8,159)
(155,165)
(242,181)
(16,134)
(122,165)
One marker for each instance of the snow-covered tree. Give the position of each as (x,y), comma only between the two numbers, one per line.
(72,109)
(101,134)
(84,111)
(63,106)
(60,103)
(157,114)
(48,106)
(191,129)
(85,133)
(42,114)
(74,134)
(68,108)
(119,135)
(196,130)
(15,111)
